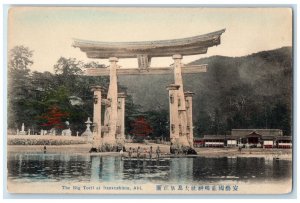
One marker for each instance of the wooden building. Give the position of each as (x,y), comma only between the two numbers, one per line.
(248,138)
(214,140)
(284,142)
(199,142)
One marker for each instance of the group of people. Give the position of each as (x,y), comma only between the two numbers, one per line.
(142,153)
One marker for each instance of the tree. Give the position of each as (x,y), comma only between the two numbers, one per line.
(68,73)
(141,128)
(19,86)
(93,64)
(159,121)
(202,124)
(68,66)
(53,118)
(20,58)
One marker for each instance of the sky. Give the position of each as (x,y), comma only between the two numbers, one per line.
(49,31)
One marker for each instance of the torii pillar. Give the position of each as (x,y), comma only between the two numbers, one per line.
(182,113)
(97,116)
(111,112)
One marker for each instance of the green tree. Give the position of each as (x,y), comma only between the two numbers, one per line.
(159,121)
(68,66)
(20,58)
(19,86)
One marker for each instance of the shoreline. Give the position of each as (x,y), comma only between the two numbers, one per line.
(231,152)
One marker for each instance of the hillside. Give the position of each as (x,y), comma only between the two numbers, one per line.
(235,92)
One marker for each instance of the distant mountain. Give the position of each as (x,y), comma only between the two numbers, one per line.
(245,89)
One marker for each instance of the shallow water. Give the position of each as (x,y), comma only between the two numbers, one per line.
(38,167)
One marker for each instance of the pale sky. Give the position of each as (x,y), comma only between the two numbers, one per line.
(50,31)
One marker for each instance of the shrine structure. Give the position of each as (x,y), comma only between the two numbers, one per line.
(112,130)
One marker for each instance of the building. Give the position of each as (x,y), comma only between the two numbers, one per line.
(257,137)
(231,141)
(249,138)
(199,142)
(214,140)
(284,142)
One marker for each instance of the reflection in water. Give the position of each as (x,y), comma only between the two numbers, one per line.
(108,168)
(67,167)
(181,170)
(95,168)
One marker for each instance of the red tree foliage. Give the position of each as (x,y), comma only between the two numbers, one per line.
(141,127)
(53,118)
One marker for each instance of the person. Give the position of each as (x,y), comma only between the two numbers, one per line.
(138,152)
(121,154)
(150,152)
(145,153)
(45,148)
(157,152)
(130,152)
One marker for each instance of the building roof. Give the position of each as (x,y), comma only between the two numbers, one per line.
(198,139)
(263,132)
(184,46)
(214,137)
(253,134)
(268,138)
(230,137)
(288,138)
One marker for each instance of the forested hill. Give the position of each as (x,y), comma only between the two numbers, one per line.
(252,91)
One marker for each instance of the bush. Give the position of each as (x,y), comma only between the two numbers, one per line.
(16,140)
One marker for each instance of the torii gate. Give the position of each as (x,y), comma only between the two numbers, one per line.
(180,102)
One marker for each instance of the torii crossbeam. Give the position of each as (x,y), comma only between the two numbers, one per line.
(181,128)
(150,71)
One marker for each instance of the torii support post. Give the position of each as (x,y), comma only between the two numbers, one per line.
(121,119)
(174,120)
(189,110)
(97,116)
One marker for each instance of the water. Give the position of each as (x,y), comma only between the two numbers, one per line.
(40,167)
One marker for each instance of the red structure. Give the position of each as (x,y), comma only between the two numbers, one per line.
(199,142)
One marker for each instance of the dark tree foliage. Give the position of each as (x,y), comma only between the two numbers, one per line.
(20,90)
(253,91)
(159,120)
(53,118)
(46,100)
(140,128)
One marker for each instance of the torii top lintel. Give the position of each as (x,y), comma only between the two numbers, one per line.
(184,46)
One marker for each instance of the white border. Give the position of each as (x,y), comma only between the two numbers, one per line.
(152,3)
